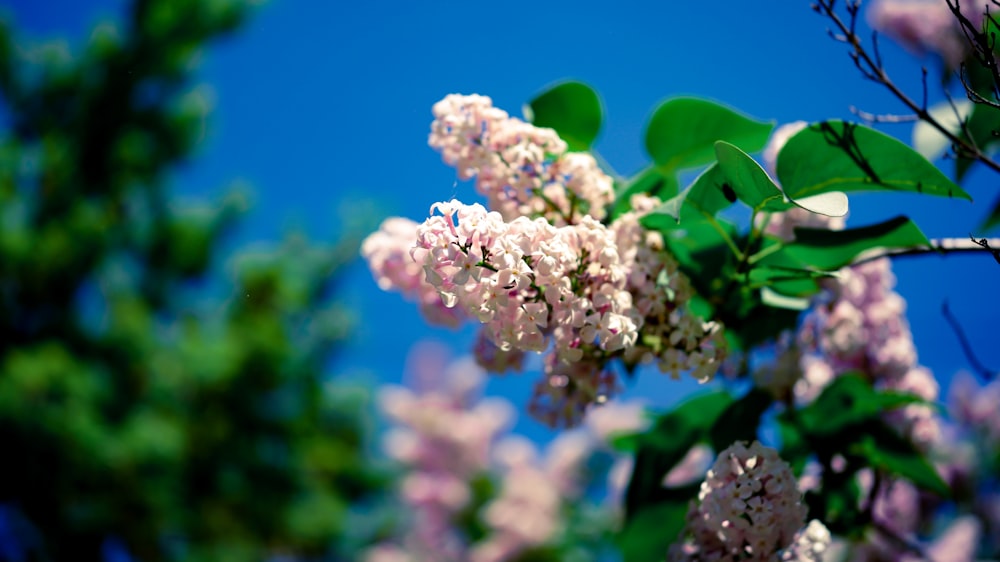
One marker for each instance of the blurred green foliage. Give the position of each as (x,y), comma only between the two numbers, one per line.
(128,411)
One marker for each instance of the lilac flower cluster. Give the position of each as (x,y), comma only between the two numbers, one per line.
(857,324)
(749,508)
(523,170)
(862,327)
(446,437)
(539,270)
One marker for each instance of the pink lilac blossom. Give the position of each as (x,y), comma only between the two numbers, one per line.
(444,435)
(900,507)
(927,26)
(523,170)
(528,510)
(536,489)
(858,324)
(387,252)
(561,283)
(521,277)
(976,406)
(671,336)
(748,508)
(863,327)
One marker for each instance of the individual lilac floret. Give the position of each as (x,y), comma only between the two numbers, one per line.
(523,170)
(749,508)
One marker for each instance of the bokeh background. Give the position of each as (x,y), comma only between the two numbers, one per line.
(322,110)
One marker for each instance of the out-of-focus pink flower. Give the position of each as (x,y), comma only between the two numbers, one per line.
(958,543)
(862,327)
(926,26)
(692,467)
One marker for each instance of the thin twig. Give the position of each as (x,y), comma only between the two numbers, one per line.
(939,246)
(882,118)
(872,69)
(984,372)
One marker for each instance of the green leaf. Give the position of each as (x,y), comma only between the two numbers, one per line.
(839,156)
(682,132)
(739,422)
(833,249)
(698,247)
(649,181)
(795,447)
(754,187)
(748,180)
(981,124)
(847,403)
(573,109)
(886,450)
(706,196)
(666,443)
(649,535)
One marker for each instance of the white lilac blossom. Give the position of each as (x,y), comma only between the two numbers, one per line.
(809,545)
(387,252)
(748,508)
(520,277)
(539,270)
(522,170)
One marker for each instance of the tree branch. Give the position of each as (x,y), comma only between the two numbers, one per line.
(939,246)
(870,66)
(984,372)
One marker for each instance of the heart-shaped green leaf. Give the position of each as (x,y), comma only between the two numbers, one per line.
(682,132)
(840,156)
(573,109)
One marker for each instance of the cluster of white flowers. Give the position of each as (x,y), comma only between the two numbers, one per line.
(539,269)
(749,508)
(523,170)
(387,252)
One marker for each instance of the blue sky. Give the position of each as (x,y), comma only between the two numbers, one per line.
(324,109)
